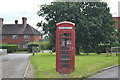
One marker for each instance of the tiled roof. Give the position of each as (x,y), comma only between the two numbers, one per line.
(19,29)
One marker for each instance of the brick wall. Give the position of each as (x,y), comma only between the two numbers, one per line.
(118,20)
(20,41)
(117,27)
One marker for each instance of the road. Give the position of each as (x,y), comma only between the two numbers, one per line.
(14,65)
(0,67)
(110,73)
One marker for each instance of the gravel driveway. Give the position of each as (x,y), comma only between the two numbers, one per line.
(14,65)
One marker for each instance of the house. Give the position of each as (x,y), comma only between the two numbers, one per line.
(117,27)
(18,34)
(118,22)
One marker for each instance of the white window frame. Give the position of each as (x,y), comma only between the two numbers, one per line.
(26,36)
(15,36)
(2,37)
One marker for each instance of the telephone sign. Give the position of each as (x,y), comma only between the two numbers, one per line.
(65,47)
(65,27)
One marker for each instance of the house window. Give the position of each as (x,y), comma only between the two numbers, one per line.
(15,36)
(2,36)
(26,36)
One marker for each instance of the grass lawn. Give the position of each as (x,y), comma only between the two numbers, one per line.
(44,64)
(3,54)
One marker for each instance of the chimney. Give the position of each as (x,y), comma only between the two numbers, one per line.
(1,22)
(24,21)
(16,21)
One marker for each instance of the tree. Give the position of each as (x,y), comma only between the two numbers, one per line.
(93,22)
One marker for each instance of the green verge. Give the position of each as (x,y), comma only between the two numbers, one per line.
(3,54)
(44,64)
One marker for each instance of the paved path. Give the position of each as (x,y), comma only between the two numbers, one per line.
(14,65)
(0,67)
(111,73)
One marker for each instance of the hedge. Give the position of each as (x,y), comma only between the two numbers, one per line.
(42,46)
(24,49)
(31,44)
(10,48)
(101,48)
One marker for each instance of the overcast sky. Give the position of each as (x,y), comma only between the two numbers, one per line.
(12,10)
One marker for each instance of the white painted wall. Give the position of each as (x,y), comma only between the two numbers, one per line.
(3,51)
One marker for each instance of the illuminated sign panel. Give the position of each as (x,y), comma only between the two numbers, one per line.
(65,27)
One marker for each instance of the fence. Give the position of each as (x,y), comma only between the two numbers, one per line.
(115,50)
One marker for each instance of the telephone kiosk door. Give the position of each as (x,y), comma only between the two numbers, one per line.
(65,47)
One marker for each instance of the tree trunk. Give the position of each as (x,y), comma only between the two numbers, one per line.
(87,53)
(77,50)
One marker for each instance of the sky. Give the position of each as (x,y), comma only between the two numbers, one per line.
(12,10)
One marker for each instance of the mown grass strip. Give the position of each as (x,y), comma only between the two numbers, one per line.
(44,64)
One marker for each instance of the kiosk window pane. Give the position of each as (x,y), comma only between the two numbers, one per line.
(67,43)
(65,52)
(64,56)
(65,66)
(65,61)
(64,48)
(65,34)
(65,39)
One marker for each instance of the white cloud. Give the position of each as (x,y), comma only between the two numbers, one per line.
(113,4)
(11,10)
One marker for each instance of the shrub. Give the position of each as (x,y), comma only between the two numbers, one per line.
(30,45)
(10,48)
(2,46)
(25,49)
(42,46)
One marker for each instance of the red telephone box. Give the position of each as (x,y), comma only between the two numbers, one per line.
(65,47)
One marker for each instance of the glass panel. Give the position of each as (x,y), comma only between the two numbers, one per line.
(65,57)
(65,34)
(65,61)
(15,36)
(65,41)
(64,48)
(65,52)
(26,36)
(65,65)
